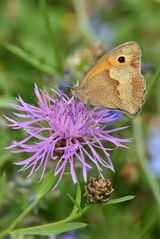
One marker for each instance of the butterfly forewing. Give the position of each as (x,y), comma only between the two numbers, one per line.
(115,82)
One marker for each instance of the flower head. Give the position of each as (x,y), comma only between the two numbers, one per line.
(65,131)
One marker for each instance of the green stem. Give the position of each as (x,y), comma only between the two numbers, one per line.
(18,220)
(54,45)
(158,97)
(139,141)
(4,85)
(80,213)
(69,218)
(83,21)
(155,79)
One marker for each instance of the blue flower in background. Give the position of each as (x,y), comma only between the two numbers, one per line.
(153,147)
(71,235)
(117,114)
(31,198)
(104,31)
(67,236)
(7,237)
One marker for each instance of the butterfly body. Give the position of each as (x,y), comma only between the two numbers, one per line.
(116,81)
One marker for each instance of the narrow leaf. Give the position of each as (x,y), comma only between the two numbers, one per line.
(122,199)
(77,201)
(5,102)
(51,229)
(30,59)
(2,187)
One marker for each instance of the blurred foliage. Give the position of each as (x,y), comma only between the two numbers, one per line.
(27,56)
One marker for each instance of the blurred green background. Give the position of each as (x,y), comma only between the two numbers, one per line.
(32,52)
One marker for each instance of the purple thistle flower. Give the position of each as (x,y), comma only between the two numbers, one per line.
(63,130)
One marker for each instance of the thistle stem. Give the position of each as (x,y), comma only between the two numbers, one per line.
(139,141)
(18,220)
(51,34)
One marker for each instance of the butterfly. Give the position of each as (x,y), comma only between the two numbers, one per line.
(116,82)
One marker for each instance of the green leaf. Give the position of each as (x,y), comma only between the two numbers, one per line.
(77,201)
(5,157)
(51,229)
(5,102)
(122,199)
(30,59)
(46,185)
(151,84)
(2,187)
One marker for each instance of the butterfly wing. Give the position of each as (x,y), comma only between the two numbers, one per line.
(116,84)
(131,88)
(100,90)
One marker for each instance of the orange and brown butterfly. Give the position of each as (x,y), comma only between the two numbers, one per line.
(116,82)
